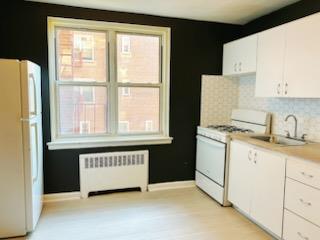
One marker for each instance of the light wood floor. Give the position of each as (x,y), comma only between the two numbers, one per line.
(183,214)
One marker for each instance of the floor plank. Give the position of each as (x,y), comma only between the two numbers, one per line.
(180,214)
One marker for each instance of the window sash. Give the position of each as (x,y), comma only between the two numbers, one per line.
(111,84)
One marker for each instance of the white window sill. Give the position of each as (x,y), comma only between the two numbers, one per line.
(108,142)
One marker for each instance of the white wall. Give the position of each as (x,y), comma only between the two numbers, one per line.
(220,95)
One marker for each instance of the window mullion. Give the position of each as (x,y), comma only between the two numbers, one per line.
(89,84)
(113,100)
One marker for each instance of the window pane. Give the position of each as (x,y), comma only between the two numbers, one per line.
(138,58)
(83,110)
(81,55)
(139,111)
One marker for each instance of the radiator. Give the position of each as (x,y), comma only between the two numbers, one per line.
(113,170)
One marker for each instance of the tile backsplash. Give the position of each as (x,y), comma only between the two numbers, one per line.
(306,110)
(220,95)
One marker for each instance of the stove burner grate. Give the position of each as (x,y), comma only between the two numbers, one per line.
(229,128)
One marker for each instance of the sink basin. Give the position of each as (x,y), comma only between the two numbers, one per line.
(280,140)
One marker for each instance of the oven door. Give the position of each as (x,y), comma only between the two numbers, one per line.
(211,156)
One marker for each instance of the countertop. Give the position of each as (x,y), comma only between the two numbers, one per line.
(309,151)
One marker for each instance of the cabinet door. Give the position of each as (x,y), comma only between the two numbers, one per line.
(229,59)
(239,57)
(240,176)
(268,190)
(270,62)
(302,69)
(248,54)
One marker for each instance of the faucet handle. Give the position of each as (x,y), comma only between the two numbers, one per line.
(287,133)
(303,137)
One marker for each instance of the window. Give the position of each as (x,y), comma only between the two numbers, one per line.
(87,94)
(123,126)
(125,91)
(83,46)
(97,91)
(84,127)
(125,44)
(149,125)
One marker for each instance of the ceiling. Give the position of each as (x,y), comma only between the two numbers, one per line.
(226,11)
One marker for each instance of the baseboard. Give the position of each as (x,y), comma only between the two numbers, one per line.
(57,197)
(170,185)
(66,196)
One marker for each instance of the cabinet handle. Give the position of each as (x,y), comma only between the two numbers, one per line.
(301,236)
(255,157)
(249,155)
(278,88)
(286,89)
(306,175)
(240,66)
(304,202)
(235,67)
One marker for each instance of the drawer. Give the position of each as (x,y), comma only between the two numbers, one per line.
(296,228)
(304,171)
(210,187)
(303,200)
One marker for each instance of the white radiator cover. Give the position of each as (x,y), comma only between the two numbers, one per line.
(113,170)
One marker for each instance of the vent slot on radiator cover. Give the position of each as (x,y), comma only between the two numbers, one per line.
(114,161)
(114,170)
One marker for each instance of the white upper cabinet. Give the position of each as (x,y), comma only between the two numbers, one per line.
(240,56)
(285,59)
(302,67)
(270,63)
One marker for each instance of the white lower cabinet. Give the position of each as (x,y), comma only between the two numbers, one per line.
(256,184)
(240,176)
(302,201)
(297,228)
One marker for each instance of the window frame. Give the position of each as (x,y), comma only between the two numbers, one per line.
(112,137)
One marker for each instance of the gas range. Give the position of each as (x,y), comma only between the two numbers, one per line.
(221,133)
(212,158)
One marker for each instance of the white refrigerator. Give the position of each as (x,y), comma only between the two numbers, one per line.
(21,150)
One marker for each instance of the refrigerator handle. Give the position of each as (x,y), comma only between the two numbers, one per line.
(33,80)
(34,179)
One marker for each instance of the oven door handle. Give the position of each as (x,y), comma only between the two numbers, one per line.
(211,141)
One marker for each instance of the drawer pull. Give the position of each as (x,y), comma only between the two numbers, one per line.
(249,155)
(301,236)
(306,175)
(304,202)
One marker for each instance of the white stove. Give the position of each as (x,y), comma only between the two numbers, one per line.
(221,132)
(213,150)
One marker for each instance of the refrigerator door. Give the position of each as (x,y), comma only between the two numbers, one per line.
(30,89)
(12,190)
(33,155)
(32,140)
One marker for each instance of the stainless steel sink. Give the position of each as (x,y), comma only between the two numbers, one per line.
(280,140)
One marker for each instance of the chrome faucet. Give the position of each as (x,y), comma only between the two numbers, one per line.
(295,126)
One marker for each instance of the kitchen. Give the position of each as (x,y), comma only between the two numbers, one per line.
(245,72)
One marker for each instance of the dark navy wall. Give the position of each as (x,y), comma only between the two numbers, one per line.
(287,14)
(196,49)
